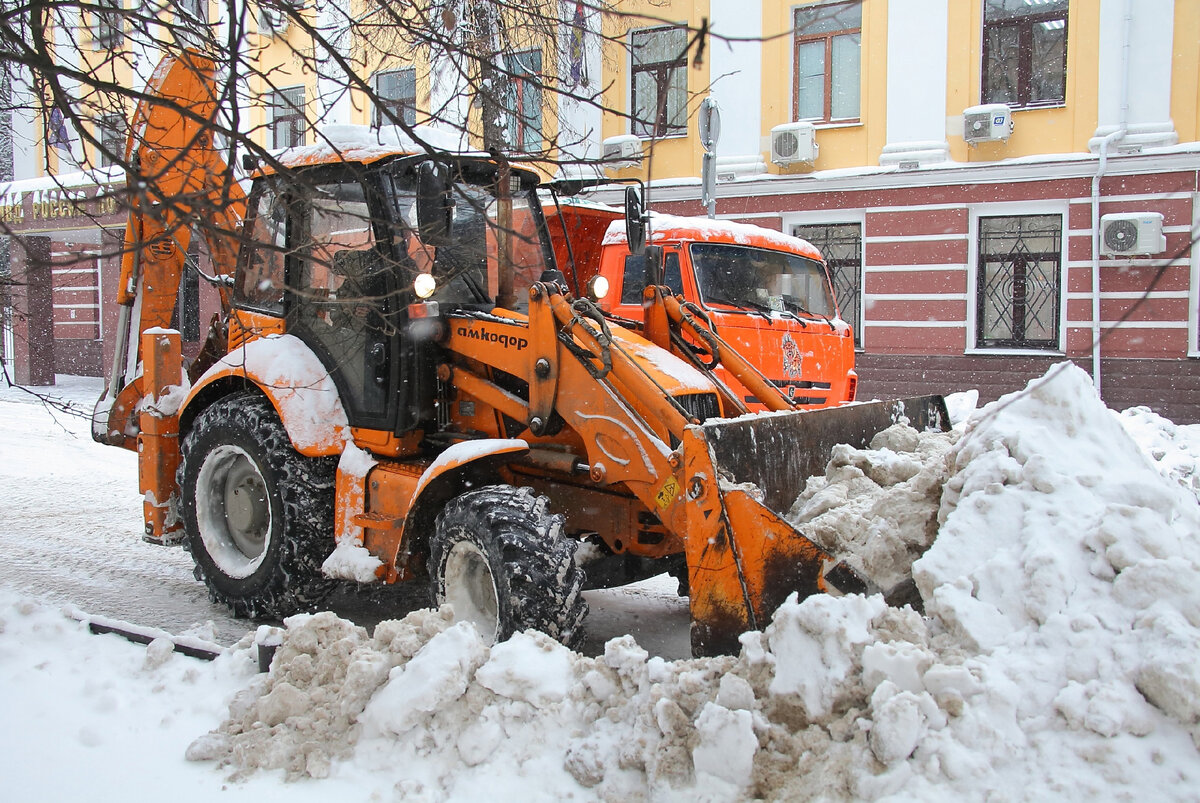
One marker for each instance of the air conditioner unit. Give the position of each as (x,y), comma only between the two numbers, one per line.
(988,123)
(621,151)
(793,143)
(1131,233)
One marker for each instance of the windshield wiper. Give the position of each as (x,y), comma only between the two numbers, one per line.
(785,311)
(743,304)
(800,307)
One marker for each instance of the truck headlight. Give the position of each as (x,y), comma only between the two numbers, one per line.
(597,287)
(424,285)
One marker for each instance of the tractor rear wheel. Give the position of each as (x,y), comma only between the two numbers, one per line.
(258,515)
(500,558)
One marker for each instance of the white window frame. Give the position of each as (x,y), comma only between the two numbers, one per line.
(195,10)
(521,82)
(106,37)
(377,117)
(1016,209)
(794,65)
(274,102)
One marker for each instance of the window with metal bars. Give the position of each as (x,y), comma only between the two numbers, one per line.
(1018,282)
(658,81)
(841,245)
(827,58)
(287,117)
(1025,52)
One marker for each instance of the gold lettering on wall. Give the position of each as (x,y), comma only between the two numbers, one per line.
(12,209)
(56,204)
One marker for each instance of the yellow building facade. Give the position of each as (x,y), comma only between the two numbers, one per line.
(1058,128)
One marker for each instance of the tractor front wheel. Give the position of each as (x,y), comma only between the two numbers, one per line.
(501,560)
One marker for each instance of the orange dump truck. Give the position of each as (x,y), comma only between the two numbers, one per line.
(768,294)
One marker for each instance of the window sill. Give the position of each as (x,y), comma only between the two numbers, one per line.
(679,135)
(832,126)
(1015,109)
(1014,352)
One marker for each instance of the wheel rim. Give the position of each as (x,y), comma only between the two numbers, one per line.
(470,589)
(233,511)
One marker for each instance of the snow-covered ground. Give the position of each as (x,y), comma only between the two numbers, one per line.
(1057,557)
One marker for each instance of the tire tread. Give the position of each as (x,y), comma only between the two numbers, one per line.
(305,485)
(543,581)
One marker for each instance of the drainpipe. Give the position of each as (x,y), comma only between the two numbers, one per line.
(1105,143)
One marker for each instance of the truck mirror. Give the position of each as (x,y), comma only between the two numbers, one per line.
(435,203)
(635,221)
(654,265)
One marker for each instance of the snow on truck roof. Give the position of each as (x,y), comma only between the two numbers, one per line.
(664,228)
(360,143)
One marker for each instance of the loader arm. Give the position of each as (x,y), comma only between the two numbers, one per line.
(675,324)
(743,559)
(176,180)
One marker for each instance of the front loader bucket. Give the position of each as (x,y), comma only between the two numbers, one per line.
(778,452)
(744,558)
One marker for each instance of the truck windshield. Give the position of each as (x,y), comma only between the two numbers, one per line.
(760,279)
(484,237)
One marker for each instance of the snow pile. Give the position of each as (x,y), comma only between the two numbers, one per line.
(878,506)
(1068,571)
(1059,653)
(1057,657)
(1174,448)
(422,697)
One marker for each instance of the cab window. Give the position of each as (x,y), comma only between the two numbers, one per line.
(261,283)
(635,276)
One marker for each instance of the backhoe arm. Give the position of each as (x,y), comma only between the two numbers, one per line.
(177,180)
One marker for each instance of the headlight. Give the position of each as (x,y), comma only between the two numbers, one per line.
(598,287)
(424,285)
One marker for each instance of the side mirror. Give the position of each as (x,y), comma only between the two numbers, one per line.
(635,221)
(435,203)
(654,265)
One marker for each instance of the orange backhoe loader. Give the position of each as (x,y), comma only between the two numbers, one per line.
(402,387)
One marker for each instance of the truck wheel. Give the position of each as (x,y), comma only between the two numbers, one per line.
(500,558)
(258,515)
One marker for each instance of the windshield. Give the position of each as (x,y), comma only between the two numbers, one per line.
(757,278)
(467,266)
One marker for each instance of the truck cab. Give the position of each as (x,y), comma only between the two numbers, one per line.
(767,294)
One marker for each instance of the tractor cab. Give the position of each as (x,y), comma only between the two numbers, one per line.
(363,262)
